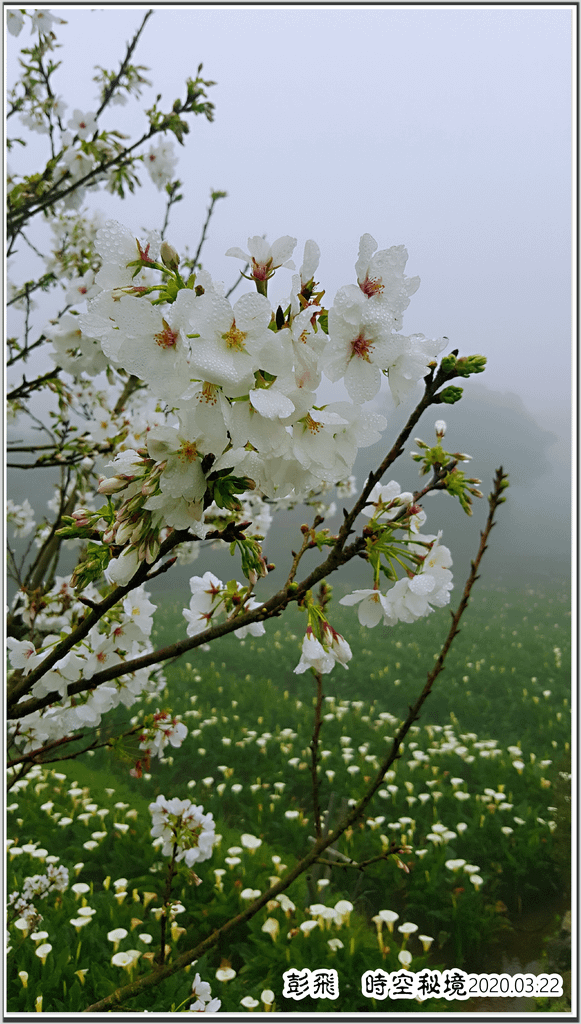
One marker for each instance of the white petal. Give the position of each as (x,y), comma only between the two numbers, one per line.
(271,403)
(238,253)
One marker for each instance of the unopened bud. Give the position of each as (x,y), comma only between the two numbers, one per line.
(82,517)
(149,486)
(449,396)
(152,550)
(112,484)
(169,256)
(124,531)
(440,428)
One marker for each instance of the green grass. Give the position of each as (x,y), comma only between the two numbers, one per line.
(246,759)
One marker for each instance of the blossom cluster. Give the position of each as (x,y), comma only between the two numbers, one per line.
(164,730)
(203,997)
(36,887)
(183,825)
(84,156)
(413,596)
(240,380)
(228,427)
(322,655)
(210,596)
(124,634)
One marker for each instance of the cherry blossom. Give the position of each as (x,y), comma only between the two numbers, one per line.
(83,125)
(22,654)
(361,343)
(373,606)
(381,276)
(14,22)
(206,593)
(263,258)
(232,341)
(161,162)
(184,824)
(387,501)
(42,21)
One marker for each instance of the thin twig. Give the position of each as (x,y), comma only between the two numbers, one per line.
(110,89)
(214,197)
(166,902)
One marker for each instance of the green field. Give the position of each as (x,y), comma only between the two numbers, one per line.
(482,780)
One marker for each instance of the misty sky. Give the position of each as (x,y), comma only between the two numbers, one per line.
(447,130)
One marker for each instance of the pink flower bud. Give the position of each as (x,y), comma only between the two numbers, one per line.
(111,485)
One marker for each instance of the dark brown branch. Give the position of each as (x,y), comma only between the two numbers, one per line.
(35,756)
(26,387)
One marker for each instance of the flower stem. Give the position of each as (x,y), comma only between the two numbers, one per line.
(166,902)
(314,747)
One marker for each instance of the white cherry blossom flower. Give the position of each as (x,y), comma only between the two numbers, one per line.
(181,822)
(336,645)
(42,21)
(20,517)
(178,450)
(205,412)
(313,442)
(231,342)
(22,654)
(14,22)
(206,591)
(140,610)
(83,125)
(263,258)
(314,655)
(120,570)
(387,501)
(381,276)
(361,343)
(161,162)
(373,606)
(411,363)
(147,340)
(117,247)
(311,257)
(362,428)
(77,162)
(204,1002)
